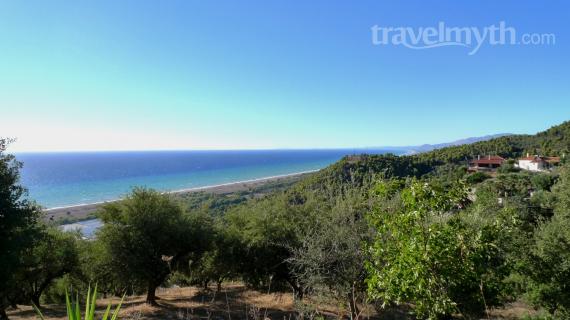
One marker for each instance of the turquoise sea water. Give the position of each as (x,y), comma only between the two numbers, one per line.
(65,179)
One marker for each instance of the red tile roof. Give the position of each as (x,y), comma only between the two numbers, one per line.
(552,159)
(488,160)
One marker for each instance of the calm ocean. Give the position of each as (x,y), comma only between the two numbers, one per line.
(65,179)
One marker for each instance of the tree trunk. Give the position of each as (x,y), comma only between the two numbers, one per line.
(3,315)
(354,312)
(36,299)
(298,291)
(298,294)
(219,287)
(151,295)
(206,282)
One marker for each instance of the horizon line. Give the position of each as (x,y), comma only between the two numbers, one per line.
(200,149)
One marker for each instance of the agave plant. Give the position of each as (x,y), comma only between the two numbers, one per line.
(74,312)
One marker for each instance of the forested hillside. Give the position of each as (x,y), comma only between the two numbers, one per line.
(357,168)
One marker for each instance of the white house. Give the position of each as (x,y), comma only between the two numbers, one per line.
(537,163)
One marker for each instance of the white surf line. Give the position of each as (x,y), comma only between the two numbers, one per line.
(190,189)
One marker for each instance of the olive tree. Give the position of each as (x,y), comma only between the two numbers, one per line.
(147,235)
(54,256)
(329,260)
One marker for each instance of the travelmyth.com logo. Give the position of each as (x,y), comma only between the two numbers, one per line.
(472,38)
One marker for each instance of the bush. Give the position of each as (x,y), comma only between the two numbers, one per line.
(549,270)
(425,253)
(542,181)
(477,177)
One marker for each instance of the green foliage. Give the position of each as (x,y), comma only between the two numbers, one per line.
(216,204)
(476,178)
(19,227)
(329,261)
(148,235)
(427,254)
(220,262)
(547,267)
(553,142)
(543,181)
(74,310)
(265,230)
(508,168)
(55,255)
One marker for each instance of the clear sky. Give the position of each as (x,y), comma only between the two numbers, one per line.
(116,75)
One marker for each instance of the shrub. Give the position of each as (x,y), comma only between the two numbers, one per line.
(425,253)
(477,177)
(74,312)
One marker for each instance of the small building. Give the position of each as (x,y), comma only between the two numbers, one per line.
(486,163)
(537,163)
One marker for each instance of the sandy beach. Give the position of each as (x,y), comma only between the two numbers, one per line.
(86,211)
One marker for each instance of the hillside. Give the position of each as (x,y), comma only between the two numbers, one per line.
(429,147)
(357,168)
(553,142)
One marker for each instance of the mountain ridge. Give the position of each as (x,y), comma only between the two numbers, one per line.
(411,150)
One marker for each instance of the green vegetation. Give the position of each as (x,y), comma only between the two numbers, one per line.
(55,255)
(414,233)
(19,228)
(548,264)
(74,311)
(147,235)
(430,251)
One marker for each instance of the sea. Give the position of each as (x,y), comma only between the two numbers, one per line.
(61,179)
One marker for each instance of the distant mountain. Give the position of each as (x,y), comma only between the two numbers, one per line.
(430,147)
(409,150)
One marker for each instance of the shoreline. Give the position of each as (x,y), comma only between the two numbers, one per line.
(84,211)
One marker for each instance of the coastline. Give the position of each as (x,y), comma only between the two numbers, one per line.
(85,211)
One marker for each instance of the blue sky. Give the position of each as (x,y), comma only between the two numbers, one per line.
(117,75)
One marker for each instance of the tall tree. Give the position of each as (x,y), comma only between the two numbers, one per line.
(18,225)
(148,234)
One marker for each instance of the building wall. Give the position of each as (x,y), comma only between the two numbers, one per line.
(531,166)
(524,164)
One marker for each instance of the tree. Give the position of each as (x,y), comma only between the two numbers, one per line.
(425,253)
(268,230)
(220,262)
(147,235)
(547,268)
(330,259)
(54,256)
(19,227)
